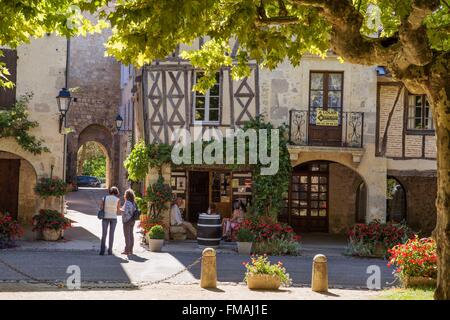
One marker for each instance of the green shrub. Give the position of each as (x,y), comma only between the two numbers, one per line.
(277,247)
(156,232)
(245,235)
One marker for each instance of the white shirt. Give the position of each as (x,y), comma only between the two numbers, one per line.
(175,216)
(111,207)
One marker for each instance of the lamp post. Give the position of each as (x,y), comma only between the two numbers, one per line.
(63,99)
(119,123)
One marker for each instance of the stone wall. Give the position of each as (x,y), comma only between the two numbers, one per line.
(97,98)
(40,70)
(343,183)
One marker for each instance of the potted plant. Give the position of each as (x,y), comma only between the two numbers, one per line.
(261,274)
(10,230)
(155,238)
(245,238)
(49,189)
(51,223)
(415,262)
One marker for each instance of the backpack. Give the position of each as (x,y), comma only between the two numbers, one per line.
(136,213)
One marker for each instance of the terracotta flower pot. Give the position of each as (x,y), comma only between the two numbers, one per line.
(155,245)
(263,282)
(244,248)
(51,234)
(409,282)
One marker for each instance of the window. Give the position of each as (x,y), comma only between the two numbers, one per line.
(326,90)
(8,96)
(207,106)
(419,113)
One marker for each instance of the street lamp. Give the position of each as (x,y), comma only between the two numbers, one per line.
(63,99)
(119,122)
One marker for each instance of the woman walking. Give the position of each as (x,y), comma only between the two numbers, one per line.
(110,206)
(128,209)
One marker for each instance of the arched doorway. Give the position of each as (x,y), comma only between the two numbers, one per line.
(395,201)
(322,197)
(17,181)
(93,160)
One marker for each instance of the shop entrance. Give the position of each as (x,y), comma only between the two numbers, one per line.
(198,194)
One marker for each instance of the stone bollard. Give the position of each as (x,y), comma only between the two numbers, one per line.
(319,281)
(208,277)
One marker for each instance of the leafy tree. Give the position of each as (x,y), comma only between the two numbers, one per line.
(22,20)
(410,37)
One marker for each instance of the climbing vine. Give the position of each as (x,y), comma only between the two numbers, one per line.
(269,190)
(143,157)
(14,123)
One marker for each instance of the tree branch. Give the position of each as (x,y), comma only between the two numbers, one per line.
(413,35)
(282,20)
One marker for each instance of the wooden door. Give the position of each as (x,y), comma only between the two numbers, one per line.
(325,93)
(198,194)
(9,186)
(308,207)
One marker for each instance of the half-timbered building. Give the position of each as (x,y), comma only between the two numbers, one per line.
(361,147)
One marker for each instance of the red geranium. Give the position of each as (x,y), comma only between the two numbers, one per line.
(10,230)
(416,258)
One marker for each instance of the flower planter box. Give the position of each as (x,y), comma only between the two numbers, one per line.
(263,282)
(155,245)
(409,282)
(244,248)
(51,234)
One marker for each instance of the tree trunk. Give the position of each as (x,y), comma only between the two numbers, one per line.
(440,96)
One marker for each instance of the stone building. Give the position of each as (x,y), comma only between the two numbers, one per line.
(95,80)
(38,68)
(342,155)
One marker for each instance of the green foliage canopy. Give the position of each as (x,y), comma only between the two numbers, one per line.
(268,31)
(23,20)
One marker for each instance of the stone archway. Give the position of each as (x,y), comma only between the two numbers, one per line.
(323,197)
(105,139)
(372,171)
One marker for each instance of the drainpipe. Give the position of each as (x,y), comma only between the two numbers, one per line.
(65,118)
(65,122)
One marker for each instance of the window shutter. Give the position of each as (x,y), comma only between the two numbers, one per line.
(8,96)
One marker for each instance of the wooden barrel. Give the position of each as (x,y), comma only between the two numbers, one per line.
(209,230)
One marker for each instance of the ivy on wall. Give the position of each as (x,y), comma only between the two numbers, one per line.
(143,157)
(268,190)
(14,123)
